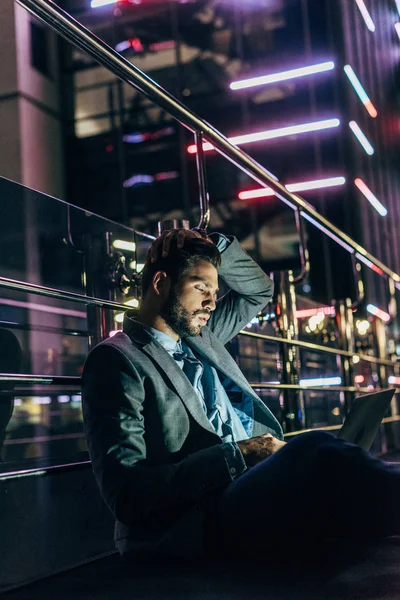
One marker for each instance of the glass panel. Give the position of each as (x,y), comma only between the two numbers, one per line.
(46,242)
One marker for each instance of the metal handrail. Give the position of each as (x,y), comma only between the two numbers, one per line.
(21,379)
(81,37)
(318,348)
(33,288)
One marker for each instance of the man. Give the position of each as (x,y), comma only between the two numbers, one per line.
(186,455)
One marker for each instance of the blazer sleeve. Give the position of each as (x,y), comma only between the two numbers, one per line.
(113,393)
(250,290)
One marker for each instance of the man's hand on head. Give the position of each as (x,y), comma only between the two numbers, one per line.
(256,449)
(160,246)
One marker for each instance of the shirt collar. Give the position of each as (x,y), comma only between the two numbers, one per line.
(166,341)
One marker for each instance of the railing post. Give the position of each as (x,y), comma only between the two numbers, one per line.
(100,320)
(345,323)
(389,439)
(293,401)
(202,181)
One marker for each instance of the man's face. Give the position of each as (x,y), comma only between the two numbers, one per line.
(191,301)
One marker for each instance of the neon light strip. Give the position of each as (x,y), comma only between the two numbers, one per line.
(97,3)
(398,6)
(294,187)
(397,28)
(124,245)
(321,381)
(378,312)
(395,380)
(312,312)
(372,199)
(361,93)
(365,15)
(361,138)
(272,134)
(283,76)
(369,263)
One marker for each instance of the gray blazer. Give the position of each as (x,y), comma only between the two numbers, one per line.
(155,456)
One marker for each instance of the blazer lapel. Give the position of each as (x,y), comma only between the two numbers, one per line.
(179,381)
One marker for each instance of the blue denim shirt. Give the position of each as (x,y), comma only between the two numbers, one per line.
(231,424)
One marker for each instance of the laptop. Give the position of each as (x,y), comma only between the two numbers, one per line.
(362,423)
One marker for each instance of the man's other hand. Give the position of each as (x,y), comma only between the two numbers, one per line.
(256,449)
(161,246)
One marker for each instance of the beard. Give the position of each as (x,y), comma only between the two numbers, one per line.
(178,317)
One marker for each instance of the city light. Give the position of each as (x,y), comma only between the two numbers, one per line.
(395,380)
(378,312)
(302,186)
(124,245)
(365,14)
(359,379)
(361,93)
(361,138)
(397,28)
(134,302)
(321,381)
(310,312)
(372,199)
(119,317)
(272,134)
(363,326)
(97,3)
(283,76)
(398,6)
(369,264)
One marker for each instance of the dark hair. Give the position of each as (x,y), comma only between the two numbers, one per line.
(180,260)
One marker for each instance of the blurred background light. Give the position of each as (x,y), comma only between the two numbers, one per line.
(273,133)
(316,184)
(361,93)
(372,199)
(282,76)
(378,312)
(361,138)
(365,14)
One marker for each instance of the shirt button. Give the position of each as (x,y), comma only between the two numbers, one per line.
(233,470)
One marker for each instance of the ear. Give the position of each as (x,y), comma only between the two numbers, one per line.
(161,284)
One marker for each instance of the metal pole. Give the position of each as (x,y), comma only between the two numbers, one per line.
(293,400)
(202,181)
(345,322)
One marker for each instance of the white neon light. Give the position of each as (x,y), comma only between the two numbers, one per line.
(378,312)
(273,133)
(321,381)
(361,138)
(372,199)
(398,6)
(283,76)
(397,28)
(97,3)
(294,187)
(361,93)
(365,15)
(395,380)
(124,245)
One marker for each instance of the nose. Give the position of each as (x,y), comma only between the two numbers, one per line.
(210,302)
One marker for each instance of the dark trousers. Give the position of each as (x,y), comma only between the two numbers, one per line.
(315,488)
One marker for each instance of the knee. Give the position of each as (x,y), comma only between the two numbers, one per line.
(313,438)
